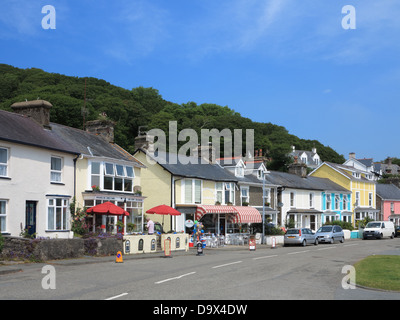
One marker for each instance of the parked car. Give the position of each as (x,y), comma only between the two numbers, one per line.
(397,231)
(378,230)
(329,233)
(301,236)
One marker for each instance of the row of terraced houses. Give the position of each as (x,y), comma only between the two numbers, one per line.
(48,170)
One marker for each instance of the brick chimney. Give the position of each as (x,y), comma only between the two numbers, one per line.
(103,128)
(298,168)
(38,110)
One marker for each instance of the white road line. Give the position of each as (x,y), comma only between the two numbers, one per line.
(327,248)
(299,252)
(227,264)
(115,297)
(175,278)
(265,257)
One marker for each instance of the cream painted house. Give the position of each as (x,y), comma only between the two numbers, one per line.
(198,190)
(105,172)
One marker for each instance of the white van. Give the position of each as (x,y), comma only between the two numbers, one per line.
(378,230)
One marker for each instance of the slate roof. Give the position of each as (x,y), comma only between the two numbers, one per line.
(92,145)
(290,180)
(22,129)
(192,170)
(388,191)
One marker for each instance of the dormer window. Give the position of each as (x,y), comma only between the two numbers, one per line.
(356,175)
(239,171)
(260,174)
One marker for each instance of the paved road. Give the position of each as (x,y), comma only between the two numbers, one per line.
(312,272)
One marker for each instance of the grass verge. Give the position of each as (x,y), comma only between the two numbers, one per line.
(379,271)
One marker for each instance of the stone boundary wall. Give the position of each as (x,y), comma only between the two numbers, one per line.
(54,249)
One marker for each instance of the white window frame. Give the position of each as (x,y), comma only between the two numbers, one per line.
(229,187)
(357,200)
(311,198)
(4,165)
(112,171)
(292,198)
(344,202)
(3,215)
(194,195)
(54,172)
(370,199)
(54,206)
(328,201)
(244,195)
(337,202)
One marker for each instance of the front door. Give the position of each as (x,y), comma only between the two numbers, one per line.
(30,217)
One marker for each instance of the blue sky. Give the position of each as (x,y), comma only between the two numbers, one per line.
(287,62)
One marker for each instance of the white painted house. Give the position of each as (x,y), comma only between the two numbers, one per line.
(36,173)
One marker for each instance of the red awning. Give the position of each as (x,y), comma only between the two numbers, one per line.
(107,208)
(204,209)
(237,214)
(247,214)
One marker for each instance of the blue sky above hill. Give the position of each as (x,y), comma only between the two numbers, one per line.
(287,62)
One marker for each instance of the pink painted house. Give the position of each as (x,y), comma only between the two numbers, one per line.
(388,201)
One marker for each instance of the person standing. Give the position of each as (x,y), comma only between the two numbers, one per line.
(150,226)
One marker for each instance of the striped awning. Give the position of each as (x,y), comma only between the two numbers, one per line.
(236,214)
(204,209)
(247,214)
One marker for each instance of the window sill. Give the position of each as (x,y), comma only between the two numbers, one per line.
(52,231)
(58,183)
(5,178)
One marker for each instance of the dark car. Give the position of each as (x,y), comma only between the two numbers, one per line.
(397,231)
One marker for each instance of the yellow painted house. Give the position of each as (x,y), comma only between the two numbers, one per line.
(362,187)
(182,186)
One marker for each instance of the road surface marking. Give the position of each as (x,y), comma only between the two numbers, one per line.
(299,252)
(227,264)
(265,257)
(118,296)
(326,248)
(175,278)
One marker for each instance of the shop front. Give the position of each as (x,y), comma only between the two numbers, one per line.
(229,223)
(109,223)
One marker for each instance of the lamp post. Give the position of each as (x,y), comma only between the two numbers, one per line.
(263,219)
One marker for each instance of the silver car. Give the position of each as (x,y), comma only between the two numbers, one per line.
(330,234)
(301,236)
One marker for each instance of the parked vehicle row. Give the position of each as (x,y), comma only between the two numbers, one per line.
(304,236)
(332,233)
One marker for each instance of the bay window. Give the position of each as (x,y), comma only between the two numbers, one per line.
(112,177)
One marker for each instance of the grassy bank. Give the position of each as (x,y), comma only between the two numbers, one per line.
(381,272)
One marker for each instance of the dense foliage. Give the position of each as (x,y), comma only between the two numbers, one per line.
(141,106)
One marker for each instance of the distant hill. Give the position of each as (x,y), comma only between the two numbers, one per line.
(142,107)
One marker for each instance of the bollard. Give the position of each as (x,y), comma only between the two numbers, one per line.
(199,248)
(273,242)
(167,248)
(119,259)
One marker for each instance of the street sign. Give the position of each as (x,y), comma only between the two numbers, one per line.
(167,248)
(252,244)
(199,248)
(119,259)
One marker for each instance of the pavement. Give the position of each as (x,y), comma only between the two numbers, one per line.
(13,266)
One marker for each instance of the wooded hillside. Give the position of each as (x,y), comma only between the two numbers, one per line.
(142,107)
